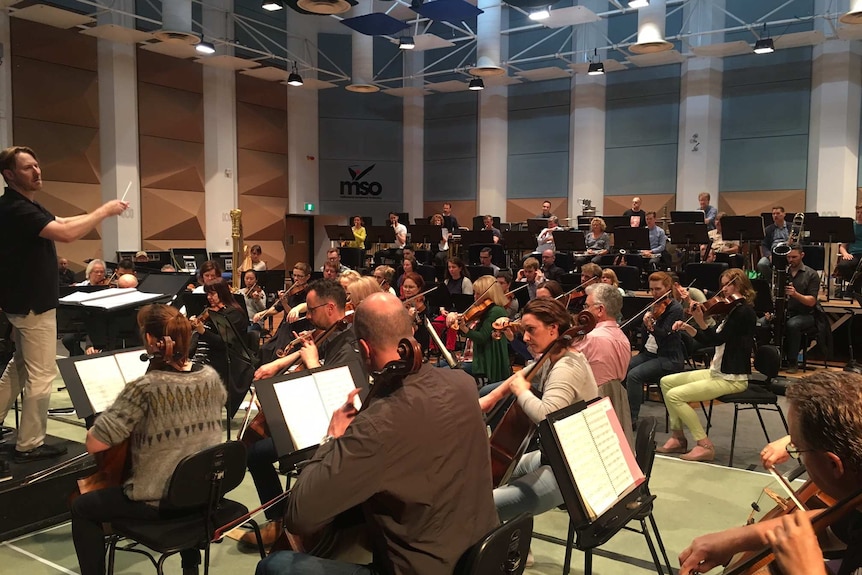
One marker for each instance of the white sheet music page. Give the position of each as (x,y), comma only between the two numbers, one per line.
(121,299)
(102,380)
(585,464)
(131,365)
(608,446)
(334,385)
(303,410)
(83,296)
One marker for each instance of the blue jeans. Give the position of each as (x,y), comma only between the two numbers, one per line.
(645,368)
(793,335)
(284,562)
(533,489)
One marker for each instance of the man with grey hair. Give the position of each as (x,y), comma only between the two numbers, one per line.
(608,350)
(378,458)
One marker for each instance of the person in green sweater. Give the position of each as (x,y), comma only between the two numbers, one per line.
(171,412)
(490,357)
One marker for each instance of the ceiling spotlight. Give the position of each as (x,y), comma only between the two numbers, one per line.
(596,69)
(476,84)
(271,5)
(406,43)
(539,14)
(764,46)
(294,79)
(205,48)
(638,3)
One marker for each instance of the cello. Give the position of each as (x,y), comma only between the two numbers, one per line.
(513,434)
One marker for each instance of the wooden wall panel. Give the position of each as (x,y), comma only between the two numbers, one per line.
(260,128)
(464,210)
(48,44)
(55,93)
(616,205)
(66,152)
(520,210)
(170,113)
(250,90)
(169,72)
(755,203)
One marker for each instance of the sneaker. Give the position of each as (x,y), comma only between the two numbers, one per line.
(44,451)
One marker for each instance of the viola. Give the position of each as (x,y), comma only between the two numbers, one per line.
(513,434)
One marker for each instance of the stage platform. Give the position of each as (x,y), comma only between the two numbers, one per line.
(26,508)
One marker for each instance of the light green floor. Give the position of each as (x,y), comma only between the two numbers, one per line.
(693,498)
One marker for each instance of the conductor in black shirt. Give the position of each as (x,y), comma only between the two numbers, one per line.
(27,235)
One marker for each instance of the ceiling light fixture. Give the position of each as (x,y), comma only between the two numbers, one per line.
(540,14)
(596,69)
(476,84)
(765,45)
(638,3)
(406,43)
(205,48)
(294,79)
(271,5)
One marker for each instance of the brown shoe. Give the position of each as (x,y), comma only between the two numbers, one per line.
(269,532)
(674,445)
(700,453)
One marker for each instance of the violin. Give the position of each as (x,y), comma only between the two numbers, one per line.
(309,335)
(578,292)
(294,289)
(719,304)
(513,434)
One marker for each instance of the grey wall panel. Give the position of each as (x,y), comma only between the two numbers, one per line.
(538,175)
(640,170)
(549,93)
(773,109)
(645,121)
(360,139)
(452,104)
(778,163)
(447,138)
(538,130)
(643,82)
(453,179)
(781,65)
(359,186)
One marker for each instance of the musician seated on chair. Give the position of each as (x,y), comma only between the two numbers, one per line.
(850,256)
(718,246)
(485,260)
(657,241)
(326,301)
(550,269)
(662,351)
(393,253)
(333,256)
(563,380)
(598,243)
(414,459)
(801,292)
(173,411)
(488,225)
(531,275)
(825,421)
(775,233)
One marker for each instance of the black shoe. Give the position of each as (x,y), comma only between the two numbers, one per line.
(41,452)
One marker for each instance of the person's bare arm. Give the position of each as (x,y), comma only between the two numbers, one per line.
(67,230)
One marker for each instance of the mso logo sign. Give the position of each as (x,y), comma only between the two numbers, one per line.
(357,186)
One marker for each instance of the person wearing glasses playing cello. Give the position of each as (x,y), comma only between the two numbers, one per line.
(825,421)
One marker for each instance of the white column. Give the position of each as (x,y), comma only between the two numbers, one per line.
(303,159)
(833,136)
(414,137)
(219,136)
(118,135)
(493,152)
(5,83)
(699,152)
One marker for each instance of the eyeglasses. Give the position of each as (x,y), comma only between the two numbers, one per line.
(793,452)
(314,307)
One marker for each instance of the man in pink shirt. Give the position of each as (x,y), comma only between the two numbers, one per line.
(608,350)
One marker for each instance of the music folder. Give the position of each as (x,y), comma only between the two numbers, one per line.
(95,381)
(299,405)
(592,461)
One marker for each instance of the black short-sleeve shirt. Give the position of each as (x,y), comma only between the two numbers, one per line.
(28,262)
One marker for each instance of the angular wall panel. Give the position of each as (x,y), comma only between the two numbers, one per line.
(170,113)
(260,128)
(175,215)
(55,93)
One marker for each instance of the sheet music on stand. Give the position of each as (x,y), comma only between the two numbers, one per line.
(110,299)
(299,405)
(95,381)
(592,461)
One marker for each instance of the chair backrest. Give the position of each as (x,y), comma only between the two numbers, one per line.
(192,482)
(645,444)
(705,275)
(428,273)
(475,272)
(503,550)
(767,360)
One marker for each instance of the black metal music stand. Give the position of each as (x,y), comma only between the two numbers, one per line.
(688,233)
(338,234)
(829,230)
(744,229)
(570,241)
(380,235)
(614,222)
(516,244)
(425,234)
(633,240)
(536,225)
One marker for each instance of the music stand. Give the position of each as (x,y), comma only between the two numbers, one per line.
(614,222)
(536,225)
(380,235)
(693,217)
(633,240)
(518,242)
(425,234)
(469,238)
(272,280)
(339,234)
(763,296)
(692,232)
(830,230)
(744,229)
(169,283)
(570,241)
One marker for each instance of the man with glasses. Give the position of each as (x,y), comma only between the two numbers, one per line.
(608,350)
(825,421)
(485,260)
(333,257)
(301,274)
(325,303)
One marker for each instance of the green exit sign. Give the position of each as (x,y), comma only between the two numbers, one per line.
(309,207)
